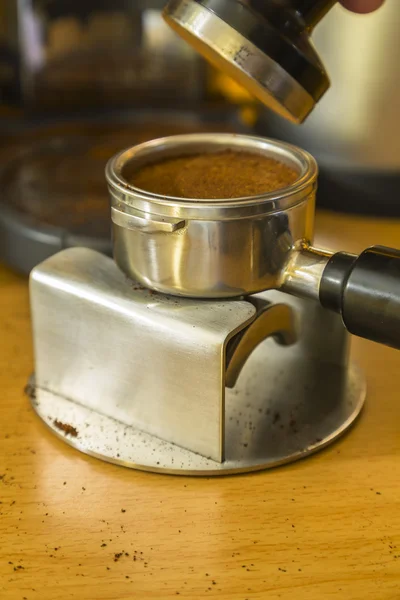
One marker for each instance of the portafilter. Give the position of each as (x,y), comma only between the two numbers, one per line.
(241,246)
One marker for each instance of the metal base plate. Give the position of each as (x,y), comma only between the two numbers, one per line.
(282,409)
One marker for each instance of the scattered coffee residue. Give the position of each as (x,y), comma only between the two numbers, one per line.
(30,391)
(227,174)
(276,419)
(67,429)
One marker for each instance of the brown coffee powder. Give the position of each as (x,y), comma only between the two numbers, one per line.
(227,174)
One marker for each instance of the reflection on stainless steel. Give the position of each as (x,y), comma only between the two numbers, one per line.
(230,51)
(324,410)
(227,248)
(272,320)
(136,221)
(152,394)
(132,355)
(303,273)
(322,337)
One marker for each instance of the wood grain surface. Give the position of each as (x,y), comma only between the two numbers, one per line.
(325,528)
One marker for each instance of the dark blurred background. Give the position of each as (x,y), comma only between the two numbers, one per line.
(81,80)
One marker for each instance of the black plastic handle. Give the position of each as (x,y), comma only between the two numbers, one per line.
(308,13)
(365,290)
(312,11)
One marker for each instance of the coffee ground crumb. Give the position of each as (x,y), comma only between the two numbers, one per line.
(30,391)
(67,429)
(218,175)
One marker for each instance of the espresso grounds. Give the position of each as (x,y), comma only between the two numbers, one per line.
(227,174)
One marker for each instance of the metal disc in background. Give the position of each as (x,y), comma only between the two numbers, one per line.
(53,192)
(279,412)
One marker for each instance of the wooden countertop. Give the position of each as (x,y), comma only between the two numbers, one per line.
(324,528)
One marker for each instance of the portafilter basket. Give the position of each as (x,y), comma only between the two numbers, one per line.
(229,248)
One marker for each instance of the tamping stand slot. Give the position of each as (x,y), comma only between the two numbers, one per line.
(272,320)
